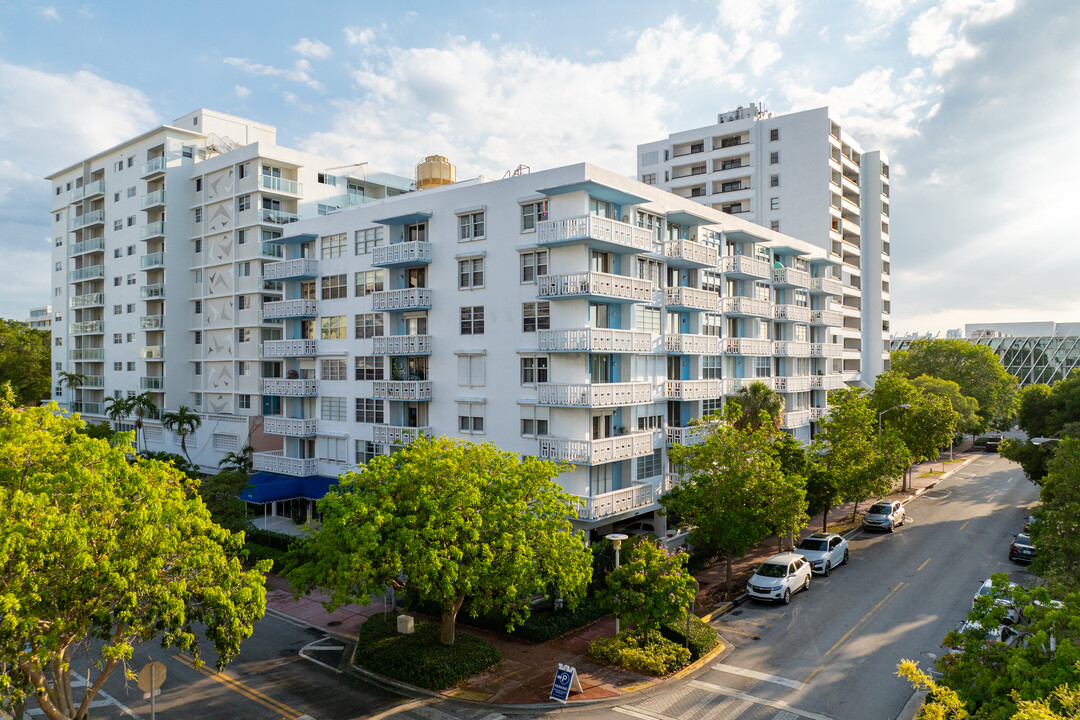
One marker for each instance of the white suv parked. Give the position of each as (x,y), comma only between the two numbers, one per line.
(779,577)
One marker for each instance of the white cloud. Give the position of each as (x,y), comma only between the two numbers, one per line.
(312,49)
(50,13)
(292,99)
(941,32)
(86,11)
(241,91)
(773,16)
(359,36)
(298,73)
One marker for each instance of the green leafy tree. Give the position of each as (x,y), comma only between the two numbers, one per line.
(1045,411)
(221,494)
(71,380)
(1038,413)
(177,460)
(975,368)
(650,587)
(785,501)
(117,409)
(1056,533)
(99,430)
(98,554)
(822,493)
(26,361)
(183,422)
(447,520)
(237,460)
(925,426)
(967,408)
(722,497)
(755,399)
(142,405)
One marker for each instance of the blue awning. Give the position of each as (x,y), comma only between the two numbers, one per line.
(410,219)
(686,218)
(270,487)
(293,239)
(596,190)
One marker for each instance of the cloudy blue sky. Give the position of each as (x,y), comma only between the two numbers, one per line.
(976,101)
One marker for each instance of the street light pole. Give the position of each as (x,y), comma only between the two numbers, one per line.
(617,540)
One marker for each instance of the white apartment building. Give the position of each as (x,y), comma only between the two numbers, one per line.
(802,175)
(572,314)
(40,317)
(158,250)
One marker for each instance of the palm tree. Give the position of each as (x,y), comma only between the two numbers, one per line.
(183,422)
(754,399)
(237,461)
(142,405)
(117,408)
(71,379)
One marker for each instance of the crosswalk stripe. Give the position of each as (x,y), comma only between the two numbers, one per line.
(722,667)
(775,704)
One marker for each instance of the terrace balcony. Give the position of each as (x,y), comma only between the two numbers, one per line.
(291,427)
(88,190)
(595,452)
(298,387)
(795,418)
(398,434)
(296,308)
(91,245)
(791,348)
(833,318)
(689,254)
(826,286)
(605,340)
(299,347)
(151,201)
(155,166)
(153,230)
(791,277)
(279,185)
(733,385)
(690,435)
(594,394)
(402,345)
(296,269)
(829,350)
(602,233)
(746,306)
(598,507)
(792,384)
(745,266)
(88,272)
(792,313)
(402,254)
(689,298)
(605,286)
(94,217)
(827,382)
(693,389)
(402,389)
(683,344)
(275,462)
(747,346)
(403,299)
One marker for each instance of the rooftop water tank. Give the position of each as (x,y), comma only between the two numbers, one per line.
(433,171)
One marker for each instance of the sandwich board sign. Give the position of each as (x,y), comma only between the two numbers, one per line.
(566,679)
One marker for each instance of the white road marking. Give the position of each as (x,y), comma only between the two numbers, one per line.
(102,699)
(315,646)
(636,713)
(776,704)
(722,667)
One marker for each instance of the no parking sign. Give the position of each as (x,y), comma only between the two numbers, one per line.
(566,679)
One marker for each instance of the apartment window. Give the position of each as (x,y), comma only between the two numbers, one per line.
(116,197)
(326,179)
(58,341)
(774,225)
(334,287)
(198,337)
(187,151)
(118,225)
(534,426)
(650,465)
(601,208)
(118,367)
(532,213)
(472,320)
(416,233)
(369,367)
(57,291)
(333,246)
(116,281)
(243,269)
(533,264)
(117,338)
(198,307)
(332,409)
(647,320)
(131,161)
(774,203)
(369,281)
(131,368)
(243,302)
(535,316)
(131,221)
(649,158)
(334,327)
(242,401)
(56,217)
(242,203)
(198,368)
(243,368)
(774,158)
(198,184)
(117,309)
(471,371)
(243,170)
(649,178)
(471,417)
(534,369)
(131,192)
(132,279)
(712,325)
(369,325)
(774,181)
(774,134)
(243,335)
(57,242)
(711,405)
(198,276)
(369,411)
(332,369)
(367,240)
(762,367)
(365,451)
(710,367)
(471,226)
(470,273)
(241,237)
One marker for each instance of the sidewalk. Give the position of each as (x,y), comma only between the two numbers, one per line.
(527,671)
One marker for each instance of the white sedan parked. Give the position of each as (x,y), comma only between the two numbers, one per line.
(779,577)
(824,551)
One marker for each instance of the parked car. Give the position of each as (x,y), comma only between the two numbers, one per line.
(993,443)
(824,551)
(1021,548)
(779,577)
(635,527)
(1011,614)
(1000,634)
(884,515)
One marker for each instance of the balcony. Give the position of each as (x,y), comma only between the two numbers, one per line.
(688,298)
(275,462)
(733,385)
(293,427)
(618,288)
(83,354)
(692,344)
(603,340)
(594,394)
(747,346)
(401,389)
(826,286)
(91,245)
(152,383)
(817,413)
(791,348)
(791,277)
(86,408)
(401,254)
(598,507)
(156,166)
(303,387)
(792,384)
(151,261)
(83,328)
(93,381)
(297,269)
(153,230)
(603,233)
(152,352)
(152,292)
(745,266)
(153,200)
(795,418)
(280,185)
(300,307)
(748,306)
(827,382)
(691,435)
(830,350)
(89,272)
(405,299)
(595,452)
(693,389)
(688,254)
(402,345)
(95,217)
(87,300)
(88,190)
(299,347)
(833,318)
(152,322)
(277,217)
(397,434)
(792,313)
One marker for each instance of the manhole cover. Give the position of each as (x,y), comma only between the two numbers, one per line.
(936,494)
(333,623)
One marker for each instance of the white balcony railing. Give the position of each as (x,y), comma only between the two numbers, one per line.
(830,350)
(89,326)
(401,389)
(153,199)
(593,452)
(402,253)
(794,313)
(402,345)
(94,217)
(597,507)
(746,306)
(154,166)
(90,189)
(397,434)
(747,346)
(693,389)
(281,185)
(691,252)
(300,387)
(151,322)
(591,283)
(827,317)
(791,276)
(691,298)
(595,228)
(297,307)
(293,427)
(792,384)
(692,344)
(795,418)
(275,462)
(86,300)
(594,340)
(745,265)
(152,352)
(690,435)
(827,286)
(816,413)
(277,217)
(79,354)
(791,348)
(290,348)
(827,382)
(594,394)
(298,267)
(87,246)
(405,299)
(153,229)
(733,385)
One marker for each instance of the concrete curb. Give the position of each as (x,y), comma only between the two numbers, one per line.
(911,708)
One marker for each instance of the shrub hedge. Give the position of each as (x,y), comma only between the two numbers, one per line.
(630,651)
(541,626)
(702,636)
(257,551)
(420,659)
(270,539)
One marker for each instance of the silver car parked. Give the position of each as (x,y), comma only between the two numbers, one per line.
(884,515)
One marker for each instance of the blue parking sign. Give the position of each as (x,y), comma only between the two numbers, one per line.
(566,679)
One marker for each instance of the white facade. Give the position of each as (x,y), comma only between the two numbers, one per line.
(158,246)
(800,174)
(40,317)
(570,314)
